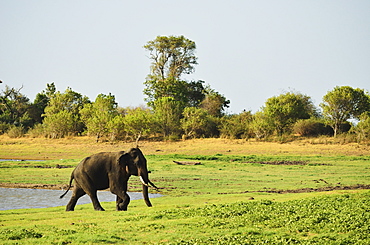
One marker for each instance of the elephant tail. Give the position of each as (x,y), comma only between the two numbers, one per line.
(69,187)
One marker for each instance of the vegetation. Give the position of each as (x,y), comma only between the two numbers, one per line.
(333,219)
(56,115)
(343,103)
(241,193)
(299,186)
(178,108)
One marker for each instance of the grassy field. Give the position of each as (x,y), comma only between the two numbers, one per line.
(310,191)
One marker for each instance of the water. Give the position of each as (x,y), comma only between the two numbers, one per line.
(18,198)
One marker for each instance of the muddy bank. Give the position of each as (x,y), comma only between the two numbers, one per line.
(34,186)
(302,190)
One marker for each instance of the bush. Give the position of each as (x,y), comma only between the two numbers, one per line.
(4,127)
(16,132)
(362,129)
(311,127)
(237,126)
(37,131)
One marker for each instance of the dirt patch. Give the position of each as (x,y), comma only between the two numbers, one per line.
(287,163)
(47,166)
(187,163)
(326,188)
(306,190)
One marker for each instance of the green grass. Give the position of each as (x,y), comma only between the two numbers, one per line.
(330,219)
(228,199)
(217,175)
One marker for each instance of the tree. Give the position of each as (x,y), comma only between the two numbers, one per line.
(261,125)
(194,121)
(62,115)
(167,112)
(284,110)
(97,115)
(237,125)
(362,129)
(138,122)
(171,57)
(41,101)
(116,128)
(60,124)
(14,108)
(214,102)
(344,103)
(312,127)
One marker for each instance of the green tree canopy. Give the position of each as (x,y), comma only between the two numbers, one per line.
(138,122)
(62,115)
(14,108)
(237,126)
(171,58)
(194,121)
(214,102)
(286,109)
(97,115)
(344,103)
(41,101)
(167,115)
(261,125)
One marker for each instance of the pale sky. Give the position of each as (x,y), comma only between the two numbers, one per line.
(247,50)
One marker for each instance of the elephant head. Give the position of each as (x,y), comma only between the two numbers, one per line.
(136,164)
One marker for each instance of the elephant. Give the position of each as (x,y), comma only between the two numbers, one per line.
(109,170)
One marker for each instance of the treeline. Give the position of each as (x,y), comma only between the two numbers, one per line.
(56,114)
(177,108)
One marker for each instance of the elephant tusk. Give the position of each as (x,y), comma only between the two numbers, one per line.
(151,183)
(142,181)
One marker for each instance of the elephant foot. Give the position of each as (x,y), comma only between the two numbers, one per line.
(121,207)
(99,209)
(68,209)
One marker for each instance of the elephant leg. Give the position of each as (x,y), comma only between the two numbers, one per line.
(88,186)
(122,203)
(77,193)
(94,198)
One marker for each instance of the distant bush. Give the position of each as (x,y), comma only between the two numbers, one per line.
(16,132)
(311,127)
(37,131)
(362,129)
(237,126)
(4,127)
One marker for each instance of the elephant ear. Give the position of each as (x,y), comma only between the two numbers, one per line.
(123,159)
(134,153)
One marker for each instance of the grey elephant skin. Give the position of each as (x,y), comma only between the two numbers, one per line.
(109,170)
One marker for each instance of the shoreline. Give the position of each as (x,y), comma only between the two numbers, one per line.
(34,186)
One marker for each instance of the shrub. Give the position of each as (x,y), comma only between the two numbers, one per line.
(4,127)
(237,126)
(37,131)
(311,127)
(16,132)
(362,129)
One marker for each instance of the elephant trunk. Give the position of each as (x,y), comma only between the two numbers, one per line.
(146,196)
(146,182)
